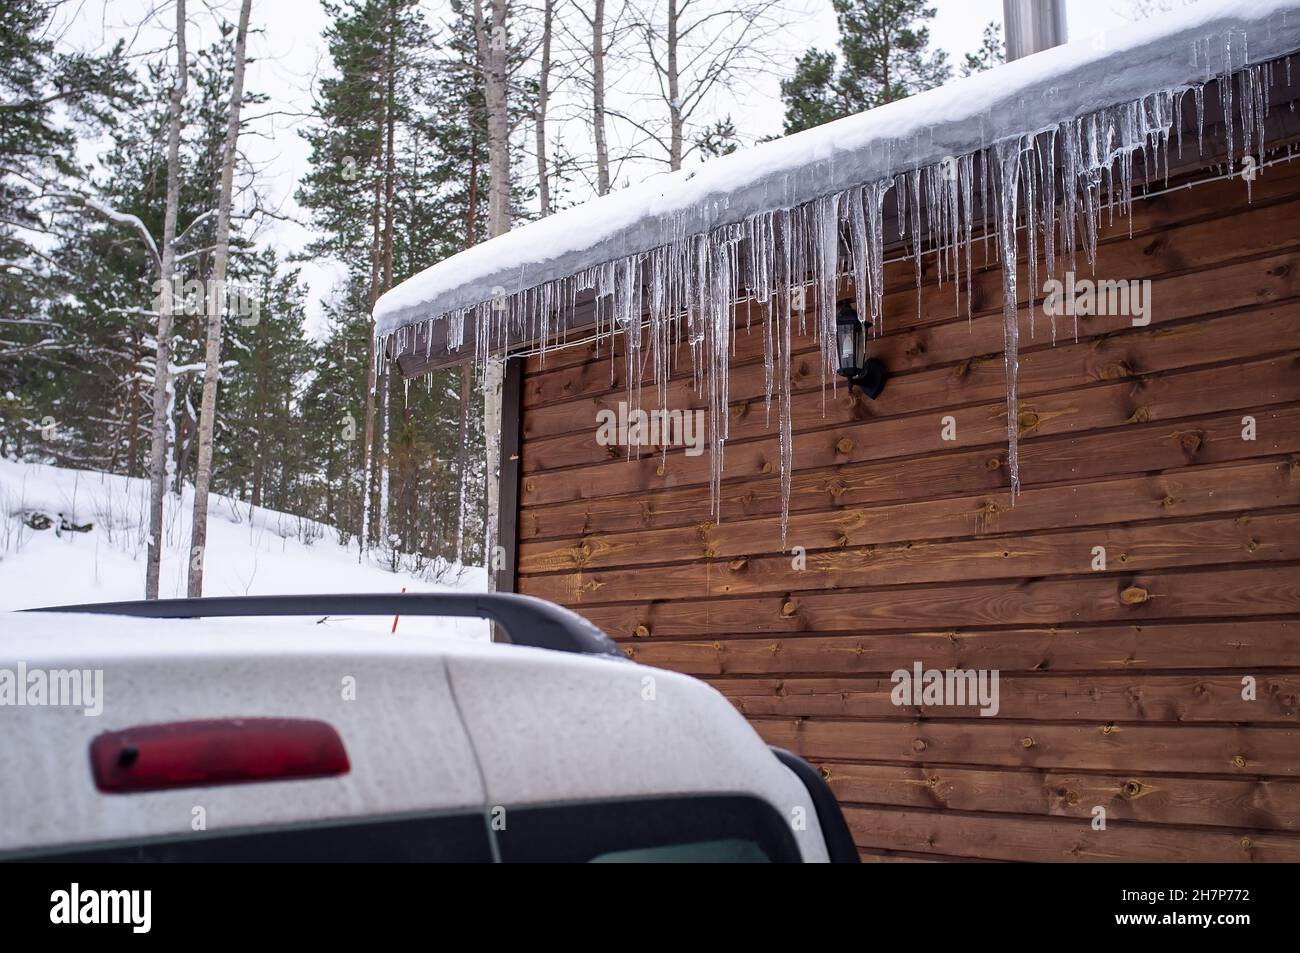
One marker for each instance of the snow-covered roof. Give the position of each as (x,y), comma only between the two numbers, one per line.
(1188,46)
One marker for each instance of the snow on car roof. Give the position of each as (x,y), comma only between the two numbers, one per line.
(1188,46)
(521,726)
(82,637)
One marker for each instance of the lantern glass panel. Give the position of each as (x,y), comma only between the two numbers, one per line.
(849,332)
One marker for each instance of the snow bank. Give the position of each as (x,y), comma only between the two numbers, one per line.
(93,550)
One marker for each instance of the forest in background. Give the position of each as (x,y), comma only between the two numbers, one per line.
(125,200)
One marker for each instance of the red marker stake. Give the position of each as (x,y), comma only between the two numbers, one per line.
(395,618)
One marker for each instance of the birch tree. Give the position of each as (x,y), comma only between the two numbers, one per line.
(543,95)
(163,393)
(216,305)
(697,48)
(598,96)
(601,34)
(492,40)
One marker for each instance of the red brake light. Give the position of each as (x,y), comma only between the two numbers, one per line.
(187,754)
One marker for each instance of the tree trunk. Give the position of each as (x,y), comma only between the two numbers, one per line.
(492,59)
(368,440)
(674,92)
(543,93)
(261,422)
(390,160)
(184,444)
(216,303)
(462,463)
(471,217)
(598,97)
(133,436)
(390,164)
(162,362)
(381,455)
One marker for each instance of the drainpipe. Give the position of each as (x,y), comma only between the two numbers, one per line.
(1032,25)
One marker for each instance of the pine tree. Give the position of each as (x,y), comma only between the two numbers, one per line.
(260,453)
(885,55)
(421,192)
(992,52)
(45,96)
(379,52)
(332,406)
(718,139)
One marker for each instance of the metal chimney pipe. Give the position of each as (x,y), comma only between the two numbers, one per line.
(1032,25)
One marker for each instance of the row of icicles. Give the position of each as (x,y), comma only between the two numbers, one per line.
(1057,186)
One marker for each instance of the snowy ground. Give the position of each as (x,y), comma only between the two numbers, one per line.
(251,551)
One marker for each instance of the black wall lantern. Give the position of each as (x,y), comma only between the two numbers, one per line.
(865,373)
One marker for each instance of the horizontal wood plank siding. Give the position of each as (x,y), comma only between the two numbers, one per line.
(1120,687)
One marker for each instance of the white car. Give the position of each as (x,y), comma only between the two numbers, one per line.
(152,731)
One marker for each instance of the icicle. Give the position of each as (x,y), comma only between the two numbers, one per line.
(876,250)
(966,172)
(1028,156)
(859,240)
(826,274)
(786,438)
(984,203)
(1071,157)
(914,182)
(1008,153)
(952,214)
(1225,94)
(1047,163)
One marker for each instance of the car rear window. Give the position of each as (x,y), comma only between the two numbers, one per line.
(704,829)
(445,838)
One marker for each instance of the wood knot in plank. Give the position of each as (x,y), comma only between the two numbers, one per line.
(1134,789)
(1134,596)
(1191,441)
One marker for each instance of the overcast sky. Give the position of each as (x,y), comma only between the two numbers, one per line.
(289,53)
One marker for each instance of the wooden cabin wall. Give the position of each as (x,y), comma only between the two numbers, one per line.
(1120,688)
